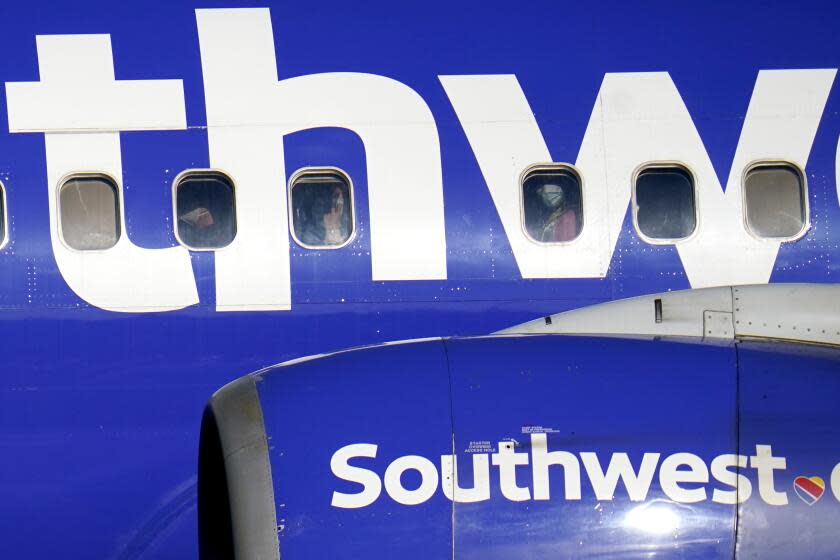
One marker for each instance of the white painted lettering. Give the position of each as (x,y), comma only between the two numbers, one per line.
(81,108)
(765,464)
(507,459)
(675,471)
(604,484)
(720,470)
(640,118)
(428,480)
(248,113)
(671,475)
(835,481)
(542,459)
(371,485)
(480,490)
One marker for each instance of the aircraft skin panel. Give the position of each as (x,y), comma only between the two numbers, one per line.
(108,360)
(790,398)
(391,402)
(545,396)
(579,396)
(558,446)
(479,256)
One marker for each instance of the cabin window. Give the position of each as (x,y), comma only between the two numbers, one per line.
(89,210)
(775,200)
(552,203)
(664,203)
(4,234)
(321,207)
(205,210)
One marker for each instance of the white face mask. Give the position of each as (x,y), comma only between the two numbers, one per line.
(552,196)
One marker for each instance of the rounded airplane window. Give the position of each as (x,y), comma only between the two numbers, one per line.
(205,209)
(775,201)
(90,213)
(321,208)
(664,203)
(552,204)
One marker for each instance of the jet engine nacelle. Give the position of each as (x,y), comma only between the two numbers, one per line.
(526,446)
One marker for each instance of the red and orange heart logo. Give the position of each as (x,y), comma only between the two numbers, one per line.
(809,489)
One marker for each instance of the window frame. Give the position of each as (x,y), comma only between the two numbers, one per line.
(806,224)
(4,201)
(108,178)
(550,166)
(634,205)
(202,171)
(312,170)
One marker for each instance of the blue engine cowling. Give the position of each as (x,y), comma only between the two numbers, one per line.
(528,447)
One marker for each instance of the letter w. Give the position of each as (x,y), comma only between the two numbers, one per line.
(640,118)
(620,467)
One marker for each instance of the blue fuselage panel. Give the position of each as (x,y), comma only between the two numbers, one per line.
(789,398)
(562,446)
(377,407)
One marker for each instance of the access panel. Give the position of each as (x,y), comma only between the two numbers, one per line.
(576,447)
(790,430)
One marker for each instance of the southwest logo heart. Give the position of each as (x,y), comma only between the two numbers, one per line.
(810,489)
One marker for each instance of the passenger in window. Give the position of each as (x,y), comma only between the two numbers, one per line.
(328,220)
(560,223)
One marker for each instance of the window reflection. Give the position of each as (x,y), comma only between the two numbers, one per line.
(774,200)
(89,210)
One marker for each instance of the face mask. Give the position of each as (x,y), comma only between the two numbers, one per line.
(553,198)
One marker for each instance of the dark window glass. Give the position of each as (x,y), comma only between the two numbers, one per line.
(322,209)
(205,209)
(90,213)
(774,196)
(552,205)
(665,203)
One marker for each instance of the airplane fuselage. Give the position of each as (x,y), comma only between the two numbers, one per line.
(435,112)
